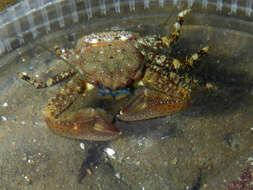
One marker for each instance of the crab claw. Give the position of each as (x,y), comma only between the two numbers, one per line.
(86,124)
(151,104)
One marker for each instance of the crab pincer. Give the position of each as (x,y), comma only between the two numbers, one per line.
(86,124)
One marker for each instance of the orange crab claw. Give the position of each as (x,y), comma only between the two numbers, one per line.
(151,104)
(86,124)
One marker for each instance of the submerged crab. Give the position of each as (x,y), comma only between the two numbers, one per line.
(113,61)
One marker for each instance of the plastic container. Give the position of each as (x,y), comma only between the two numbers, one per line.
(36,18)
(207,146)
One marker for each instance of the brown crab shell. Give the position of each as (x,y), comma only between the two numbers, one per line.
(110,60)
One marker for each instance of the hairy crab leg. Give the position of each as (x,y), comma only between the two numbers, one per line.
(196,56)
(166,92)
(157,42)
(85,124)
(158,61)
(50,82)
(162,95)
(175,33)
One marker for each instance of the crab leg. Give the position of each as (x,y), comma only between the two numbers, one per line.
(175,33)
(156,42)
(159,61)
(162,95)
(50,82)
(190,61)
(85,124)
(165,92)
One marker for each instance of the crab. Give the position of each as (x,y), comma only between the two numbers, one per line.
(113,62)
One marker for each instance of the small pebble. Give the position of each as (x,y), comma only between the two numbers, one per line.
(82,146)
(27,179)
(117,175)
(250,160)
(3,118)
(204,185)
(5,104)
(35,123)
(174,161)
(30,161)
(110,152)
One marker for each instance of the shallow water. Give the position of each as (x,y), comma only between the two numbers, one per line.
(204,147)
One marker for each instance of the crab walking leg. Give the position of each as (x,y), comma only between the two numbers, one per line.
(190,61)
(50,82)
(162,95)
(85,124)
(158,42)
(175,33)
(159,61)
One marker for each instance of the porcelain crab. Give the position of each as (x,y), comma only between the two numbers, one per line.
(113,61)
